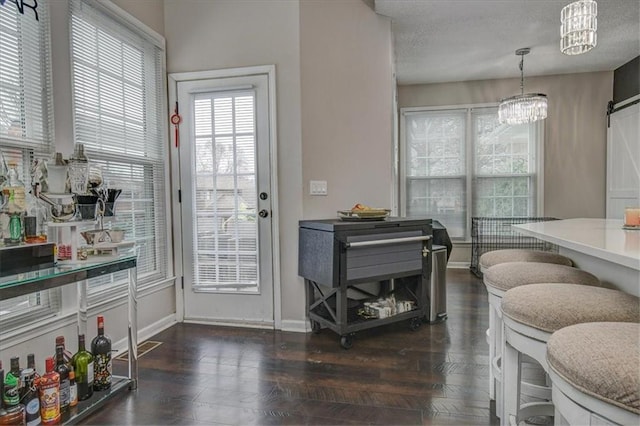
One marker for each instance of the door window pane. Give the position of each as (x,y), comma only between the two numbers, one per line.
(225,231)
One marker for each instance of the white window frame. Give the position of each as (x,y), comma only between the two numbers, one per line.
(469,160)
(102,294)
(33,138)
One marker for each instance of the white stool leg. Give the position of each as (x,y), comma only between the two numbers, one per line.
(497,360)
(492,351)
(511,379)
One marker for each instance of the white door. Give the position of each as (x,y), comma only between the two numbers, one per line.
(623,161)
(226,200)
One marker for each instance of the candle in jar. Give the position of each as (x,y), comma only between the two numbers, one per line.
(632,216)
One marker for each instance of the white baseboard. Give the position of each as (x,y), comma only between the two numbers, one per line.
(459,265)
(298,326)
(147,332)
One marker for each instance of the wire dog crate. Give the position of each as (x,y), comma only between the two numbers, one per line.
(495,233)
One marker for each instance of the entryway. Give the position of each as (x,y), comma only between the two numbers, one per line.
(224,145)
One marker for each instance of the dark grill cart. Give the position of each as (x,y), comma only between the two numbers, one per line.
(336,257)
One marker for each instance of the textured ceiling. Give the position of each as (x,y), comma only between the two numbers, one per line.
(461,40)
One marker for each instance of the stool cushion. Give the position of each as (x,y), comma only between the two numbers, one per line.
(550,307)
(495,257)
(600,359)
(505,276)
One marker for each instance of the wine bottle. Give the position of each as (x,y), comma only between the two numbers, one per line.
(63,370)
(67,355)
(30,399)
(49,389)
(101,350)
(82,362)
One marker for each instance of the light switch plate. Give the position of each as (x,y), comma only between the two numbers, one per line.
(318,187)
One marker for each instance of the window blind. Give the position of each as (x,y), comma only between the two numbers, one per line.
(118,94)
(462,162)
(26,125)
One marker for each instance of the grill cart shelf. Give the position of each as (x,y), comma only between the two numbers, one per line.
(336,258)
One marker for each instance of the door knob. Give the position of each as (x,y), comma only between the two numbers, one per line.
(263,213)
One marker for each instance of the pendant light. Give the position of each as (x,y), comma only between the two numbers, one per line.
(579,24)
(522,108)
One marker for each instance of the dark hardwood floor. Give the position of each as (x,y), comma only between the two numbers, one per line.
(208,375)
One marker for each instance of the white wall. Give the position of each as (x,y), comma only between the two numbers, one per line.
(156,309)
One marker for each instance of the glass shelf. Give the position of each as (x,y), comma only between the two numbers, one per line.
(64,273)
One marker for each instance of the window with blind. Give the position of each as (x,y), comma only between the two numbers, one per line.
(118,91)
(26,126)
(459,163)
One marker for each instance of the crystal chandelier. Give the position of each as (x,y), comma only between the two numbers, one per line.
(523,108)
(579,25)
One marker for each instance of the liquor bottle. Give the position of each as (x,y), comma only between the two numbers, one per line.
(4,170)
(67,355)
(30,399)
(13,415)
(11,395)
(101,350)
(13,192)
(73,389)
(1,369)
(82,362)
(63,370)
(31,363)
(49,394)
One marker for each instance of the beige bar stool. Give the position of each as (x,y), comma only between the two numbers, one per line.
(492,258)
(496,257)
(505,276)
(595,373)
(532,313)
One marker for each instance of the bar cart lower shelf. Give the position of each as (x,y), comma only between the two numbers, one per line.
(93,404)
(78,273)
(322,313)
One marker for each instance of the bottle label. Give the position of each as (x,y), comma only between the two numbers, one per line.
(49,403)
(11,392)
(90,374)
(33,412)
(73,394)
(64,393)
(103,370)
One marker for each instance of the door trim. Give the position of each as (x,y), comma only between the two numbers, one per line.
(173,80)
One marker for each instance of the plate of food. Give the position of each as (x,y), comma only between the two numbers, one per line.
(361,212)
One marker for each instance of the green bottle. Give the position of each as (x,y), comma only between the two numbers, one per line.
(15,228)
(82,362)
(11,394)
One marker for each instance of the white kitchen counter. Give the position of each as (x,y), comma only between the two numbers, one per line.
(599,246)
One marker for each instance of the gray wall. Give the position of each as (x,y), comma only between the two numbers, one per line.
(575,132)
(333,101)
(345,57)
